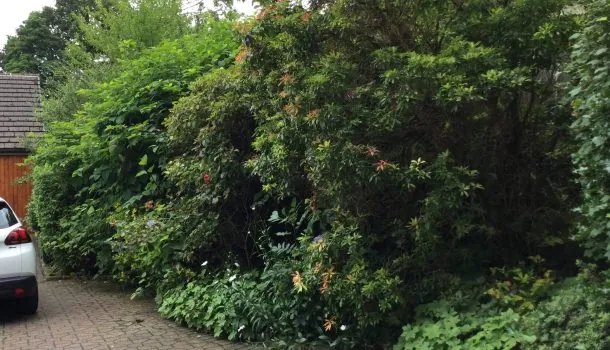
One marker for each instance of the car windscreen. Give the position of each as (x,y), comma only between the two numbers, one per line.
(7,217)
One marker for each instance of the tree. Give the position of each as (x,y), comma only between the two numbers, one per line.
(67,13)
(119,28)
(41,39)
(34,47)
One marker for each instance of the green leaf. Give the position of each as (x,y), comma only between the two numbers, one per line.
(275,216)
(530,339)
(144,160)
(598,141)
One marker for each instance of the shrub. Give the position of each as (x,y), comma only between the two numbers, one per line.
(352,174)
(210,304)
(576,316)
(590,63)
(572,314)
(439,326)
(110,152)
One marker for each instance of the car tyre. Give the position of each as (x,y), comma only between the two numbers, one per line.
(30,304)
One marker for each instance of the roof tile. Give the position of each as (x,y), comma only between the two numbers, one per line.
(19,99)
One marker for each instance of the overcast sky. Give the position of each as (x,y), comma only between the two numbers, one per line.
(12,12)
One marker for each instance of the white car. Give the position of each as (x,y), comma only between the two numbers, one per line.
(17,262)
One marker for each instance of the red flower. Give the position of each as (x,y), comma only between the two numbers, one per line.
(306,17)
(207,179)
(372,151)
(262,14)
(242,55)
(287,78)
(313,114)
(381,165)
(291,109)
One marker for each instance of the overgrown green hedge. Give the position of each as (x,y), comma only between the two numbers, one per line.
(590,64)
(110,153)
(574,313)
(349,163)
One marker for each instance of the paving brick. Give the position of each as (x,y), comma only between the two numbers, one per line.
(88,315)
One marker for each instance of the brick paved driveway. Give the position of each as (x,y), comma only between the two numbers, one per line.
(95,315)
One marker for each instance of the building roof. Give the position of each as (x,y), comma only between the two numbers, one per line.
(19,99)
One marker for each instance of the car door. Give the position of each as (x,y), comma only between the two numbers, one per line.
(10,255)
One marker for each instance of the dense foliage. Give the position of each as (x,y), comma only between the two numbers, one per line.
(352,167)
(109,146)
(591,61)
(574,315)
(117,28)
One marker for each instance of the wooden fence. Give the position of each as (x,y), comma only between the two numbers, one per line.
(17,195)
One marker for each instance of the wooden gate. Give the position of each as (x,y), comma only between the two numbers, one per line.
(17,195)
